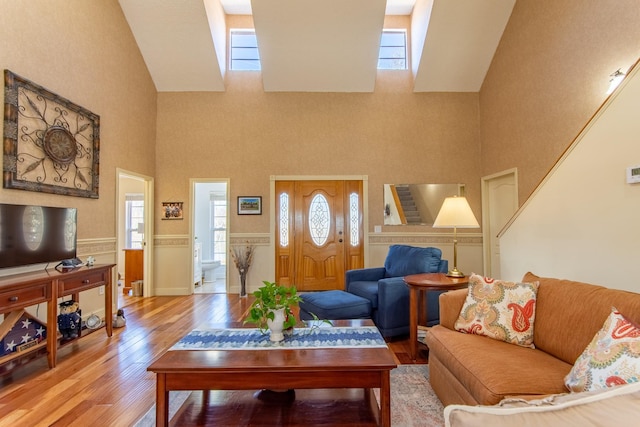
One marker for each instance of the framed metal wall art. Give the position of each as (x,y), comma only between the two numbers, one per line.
(50,144)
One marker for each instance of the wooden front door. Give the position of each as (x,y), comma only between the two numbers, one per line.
(319,233)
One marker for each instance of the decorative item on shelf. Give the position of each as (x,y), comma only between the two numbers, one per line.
(271,309)
(93,322)
(119,320)
(69,319)
(455,213)
(242,258)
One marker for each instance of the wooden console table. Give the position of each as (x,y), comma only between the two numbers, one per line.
(20,291)
(426,282)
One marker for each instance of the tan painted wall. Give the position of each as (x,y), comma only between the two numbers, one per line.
(391,135)
(247,135)
(582,223)
(85,52)
(547,79)
(549,76)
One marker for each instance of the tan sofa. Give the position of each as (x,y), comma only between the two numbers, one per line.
(476,370)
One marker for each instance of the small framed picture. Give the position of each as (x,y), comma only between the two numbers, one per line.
(171,210)
(250,205)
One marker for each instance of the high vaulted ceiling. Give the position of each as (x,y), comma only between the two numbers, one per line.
(317,45)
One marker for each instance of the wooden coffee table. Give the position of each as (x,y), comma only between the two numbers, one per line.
(339,367)
(426,282)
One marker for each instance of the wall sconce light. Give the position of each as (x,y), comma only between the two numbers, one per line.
(616,79)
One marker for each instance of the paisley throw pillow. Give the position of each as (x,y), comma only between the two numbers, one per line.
(612,358)
(500,310)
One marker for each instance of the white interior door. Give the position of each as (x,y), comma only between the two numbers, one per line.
(499,203)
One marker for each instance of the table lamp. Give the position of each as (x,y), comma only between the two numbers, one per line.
(455,213)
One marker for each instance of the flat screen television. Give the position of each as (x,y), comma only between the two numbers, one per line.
(36,234)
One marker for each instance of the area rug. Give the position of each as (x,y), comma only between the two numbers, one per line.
(413,402)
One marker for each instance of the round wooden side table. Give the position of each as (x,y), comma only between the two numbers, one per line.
(426,282)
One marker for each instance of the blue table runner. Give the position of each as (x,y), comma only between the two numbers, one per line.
(302,338)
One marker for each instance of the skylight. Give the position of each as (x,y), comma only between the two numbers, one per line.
(393,50)
(246,57)
(244,51)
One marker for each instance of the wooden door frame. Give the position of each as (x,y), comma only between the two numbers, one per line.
(272,209)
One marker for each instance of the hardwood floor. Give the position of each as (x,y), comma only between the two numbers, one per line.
(102,381)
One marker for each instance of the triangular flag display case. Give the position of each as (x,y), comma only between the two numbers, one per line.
(26,332)
(22,338)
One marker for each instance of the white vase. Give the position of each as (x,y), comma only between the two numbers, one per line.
(276,325)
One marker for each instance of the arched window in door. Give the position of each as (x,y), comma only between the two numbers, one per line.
(319,219)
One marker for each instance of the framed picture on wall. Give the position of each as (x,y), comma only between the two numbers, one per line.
(249,205)
(171,210)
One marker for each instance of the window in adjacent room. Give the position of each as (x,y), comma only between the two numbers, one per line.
(134,220)
(244,51)
(218,226)
(393,50)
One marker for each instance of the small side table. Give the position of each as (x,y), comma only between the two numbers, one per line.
(426,282)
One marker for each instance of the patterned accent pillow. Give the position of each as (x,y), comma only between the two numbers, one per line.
(500,310)
(612,358)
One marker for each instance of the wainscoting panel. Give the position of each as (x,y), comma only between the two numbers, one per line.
(173,259)
(172,268)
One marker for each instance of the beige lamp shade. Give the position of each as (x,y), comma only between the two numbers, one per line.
(456,213)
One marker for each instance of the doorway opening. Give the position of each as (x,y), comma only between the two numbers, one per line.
(134,225)
(209,223)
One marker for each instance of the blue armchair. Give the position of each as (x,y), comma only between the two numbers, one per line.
(384,287)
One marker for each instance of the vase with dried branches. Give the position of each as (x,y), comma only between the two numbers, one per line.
(242,258)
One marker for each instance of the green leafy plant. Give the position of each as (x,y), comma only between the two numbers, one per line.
(269,298)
